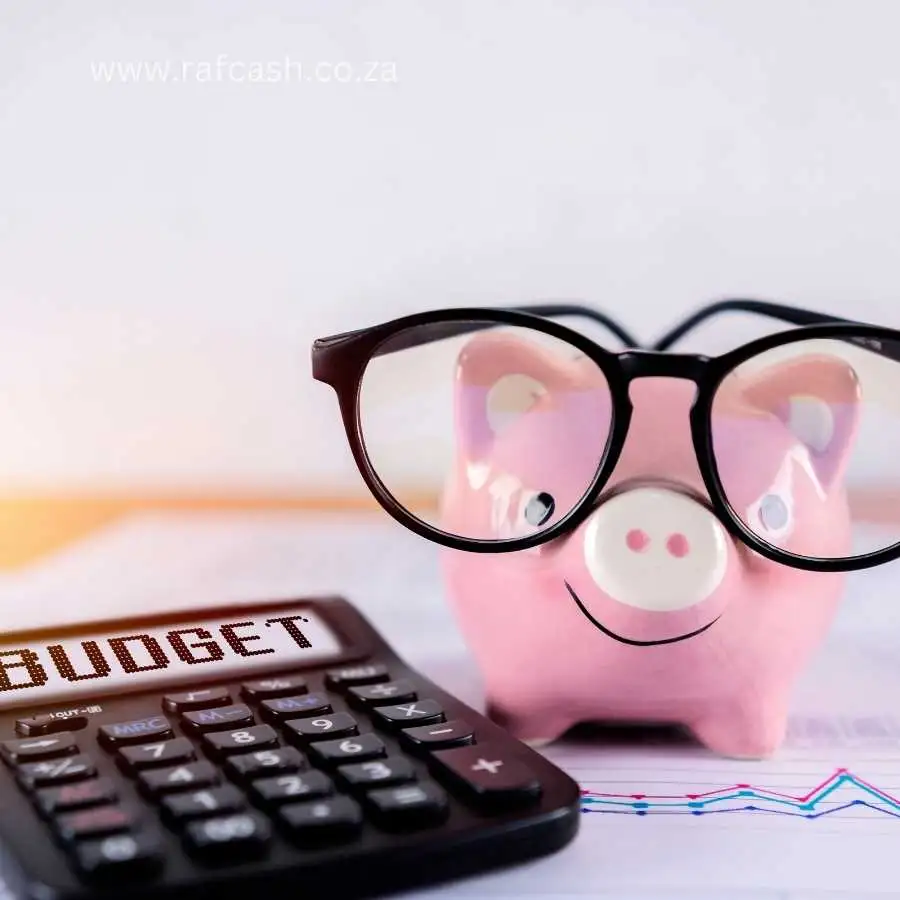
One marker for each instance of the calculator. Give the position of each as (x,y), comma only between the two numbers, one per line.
(267,750)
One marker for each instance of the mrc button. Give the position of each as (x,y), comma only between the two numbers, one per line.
(135,731)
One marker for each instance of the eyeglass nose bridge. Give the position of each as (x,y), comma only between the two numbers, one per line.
(658,364)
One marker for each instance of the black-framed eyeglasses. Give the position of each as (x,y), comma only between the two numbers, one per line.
(793,439)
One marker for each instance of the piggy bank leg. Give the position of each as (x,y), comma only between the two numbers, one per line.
(534,727)
(752,727)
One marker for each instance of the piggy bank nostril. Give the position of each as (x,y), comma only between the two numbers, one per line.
(678,545)
(636,540)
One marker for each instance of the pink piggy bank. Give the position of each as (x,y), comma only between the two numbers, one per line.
(649,611)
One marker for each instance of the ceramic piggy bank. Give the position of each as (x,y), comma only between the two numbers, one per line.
(649,611)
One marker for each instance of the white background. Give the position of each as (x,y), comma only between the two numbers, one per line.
(169,250)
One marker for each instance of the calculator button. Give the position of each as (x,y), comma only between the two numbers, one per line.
(179,778)
(28,749)
(433,737)
(338,679)
(337,817)
(378,773)
(96,822)
(161,753)
(221,719)
(288,788)
(118,855)
(226,836)
(225,743)
(281,708)
(382,694)
(487,773)
(411,804)
(312,729)
(136,731)
(265,763)
(422,712)
(265,688)
(201,699)
(46,724)
(56,771)
(82,794)
(197,804)
(351,749)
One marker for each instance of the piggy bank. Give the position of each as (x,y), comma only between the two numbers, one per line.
(649,611)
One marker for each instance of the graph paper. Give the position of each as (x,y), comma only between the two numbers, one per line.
(662,819)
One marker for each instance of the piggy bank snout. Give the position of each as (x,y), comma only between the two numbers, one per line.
(655,549)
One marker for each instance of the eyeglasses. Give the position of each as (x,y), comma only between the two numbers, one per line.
(523,426)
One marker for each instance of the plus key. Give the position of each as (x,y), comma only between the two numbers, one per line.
(487,774)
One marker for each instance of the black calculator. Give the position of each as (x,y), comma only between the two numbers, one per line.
(269,751)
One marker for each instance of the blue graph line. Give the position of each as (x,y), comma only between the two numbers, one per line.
(799,807)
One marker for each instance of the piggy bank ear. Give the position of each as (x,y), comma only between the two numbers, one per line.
(499,378)
(818,400)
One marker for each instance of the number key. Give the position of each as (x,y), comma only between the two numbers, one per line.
(163,753)
(196,804)
(334,726)
(378,773)
(225,836)
(351,749)
(119,854)
(179,778)
(265,763)
(285,788)
(225,743)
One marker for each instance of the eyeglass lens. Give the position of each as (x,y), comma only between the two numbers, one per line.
(498,433)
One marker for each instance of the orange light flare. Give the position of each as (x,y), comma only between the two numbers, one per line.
(33,526)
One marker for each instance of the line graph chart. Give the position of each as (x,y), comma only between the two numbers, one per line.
(856,794)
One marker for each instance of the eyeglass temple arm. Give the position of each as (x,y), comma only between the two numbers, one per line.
(790,314)
(417,337)
(560,310)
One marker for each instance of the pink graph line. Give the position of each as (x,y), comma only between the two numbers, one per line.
(803,798)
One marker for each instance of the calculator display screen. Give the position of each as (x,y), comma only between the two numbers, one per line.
(129,658)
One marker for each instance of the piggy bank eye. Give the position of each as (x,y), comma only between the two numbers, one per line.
(536,508)
(771,516)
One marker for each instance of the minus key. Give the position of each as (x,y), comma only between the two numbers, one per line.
(454,733)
